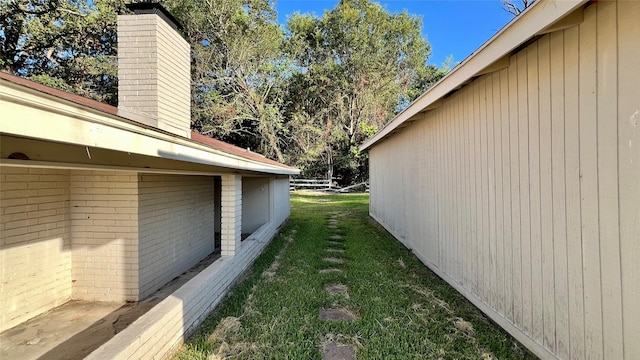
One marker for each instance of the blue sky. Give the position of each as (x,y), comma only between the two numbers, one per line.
(452,27)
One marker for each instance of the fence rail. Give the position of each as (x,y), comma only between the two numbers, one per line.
(323,184)
(309,184)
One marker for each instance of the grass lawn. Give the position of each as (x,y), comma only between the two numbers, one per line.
(403,310)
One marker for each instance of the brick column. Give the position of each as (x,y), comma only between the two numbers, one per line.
(231,214)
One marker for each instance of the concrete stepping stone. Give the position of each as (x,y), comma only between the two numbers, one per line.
(332,227)
(333,222)
(337,351)
(330,270)
(336,315)
(334,250)
(337,237)
(336,289)
(334,260)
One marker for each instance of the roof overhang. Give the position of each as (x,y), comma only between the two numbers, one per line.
(542,17)
(30,113)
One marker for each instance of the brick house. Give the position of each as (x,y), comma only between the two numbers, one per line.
(109,204)
(516,178)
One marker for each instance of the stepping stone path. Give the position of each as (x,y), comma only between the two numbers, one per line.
(336,315)
(336,289)
(334,260)
(335,350)
(330,270)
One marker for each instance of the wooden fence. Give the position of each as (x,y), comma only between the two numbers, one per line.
(323,185)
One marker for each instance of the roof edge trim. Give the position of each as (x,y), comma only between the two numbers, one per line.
(535,19)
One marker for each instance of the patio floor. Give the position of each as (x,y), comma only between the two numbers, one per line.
(75,329)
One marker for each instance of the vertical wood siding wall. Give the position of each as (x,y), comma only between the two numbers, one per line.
(523,189)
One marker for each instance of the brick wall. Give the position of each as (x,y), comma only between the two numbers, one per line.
(104,229)
(176,219)
(256,205)
(231,214)
(35,248)
(157,333)
(281,199)
(154,67)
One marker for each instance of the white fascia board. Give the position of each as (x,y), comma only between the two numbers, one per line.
(532,21)
(29,113)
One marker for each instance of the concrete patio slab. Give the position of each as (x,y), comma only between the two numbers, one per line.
(70,331)
(75,329)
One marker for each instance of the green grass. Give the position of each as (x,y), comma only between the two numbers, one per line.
(404,310)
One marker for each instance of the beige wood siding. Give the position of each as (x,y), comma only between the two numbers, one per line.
(523,189)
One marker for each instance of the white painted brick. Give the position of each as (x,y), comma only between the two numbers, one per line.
(143,50)
(34,243)
(176,226)
(231,212)
(162,329)
(102,221)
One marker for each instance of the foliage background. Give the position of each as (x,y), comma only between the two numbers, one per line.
(307,93)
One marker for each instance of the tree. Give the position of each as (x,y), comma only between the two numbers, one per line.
(238,71)
(515,7)
(66,44)
(355,67)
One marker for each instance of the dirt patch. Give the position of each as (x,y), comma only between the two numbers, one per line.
(431,296)
(227,328)
(463,326)
(270,273)
(336,315)
(488,356)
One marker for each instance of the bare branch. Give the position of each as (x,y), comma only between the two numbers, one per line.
(512,6)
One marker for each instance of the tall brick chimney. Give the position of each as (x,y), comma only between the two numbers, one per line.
(154,69)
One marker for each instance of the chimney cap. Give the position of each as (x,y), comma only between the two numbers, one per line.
(155,8)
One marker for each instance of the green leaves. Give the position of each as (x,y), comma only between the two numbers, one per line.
(67,44)
(355,67)
(307,94)
(239,71)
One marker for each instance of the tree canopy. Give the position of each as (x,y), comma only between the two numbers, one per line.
(239,71)
(306,93)
(66,44)
(355,67)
